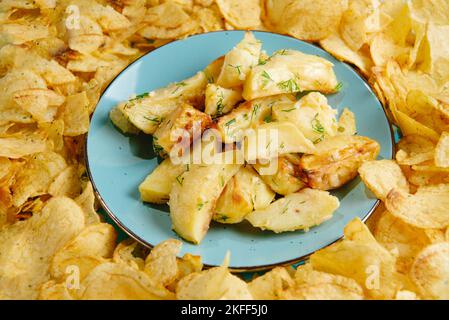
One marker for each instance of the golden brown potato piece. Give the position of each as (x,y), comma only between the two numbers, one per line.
(184,118)
(337,161)
(286,180)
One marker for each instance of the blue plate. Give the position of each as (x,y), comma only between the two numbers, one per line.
(117,164)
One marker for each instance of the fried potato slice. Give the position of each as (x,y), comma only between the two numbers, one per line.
(22,143)
(335,45)
(213,284)
(131,253)
(36,176)
(245,192)
(290,71)
(31,244)
(238,62)
(414,149)
(296,211)
(271,285)
(51,290)
(382,176)
(270,140)
(361,258)
(161,264)
(403,239)
(430,271)
(40,103)
(92,247)
(442,151)
(87,38)
(315,285)
(192,203)
(307,20)
(118,281)
(427,208)
(336,161)
(241,14)
(86,200)
(67,183)
(285,179)
(17,33)
(312,115)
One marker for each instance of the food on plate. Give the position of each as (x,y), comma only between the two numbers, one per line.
(336,161)
(51,77)
(297,211)
(279,141)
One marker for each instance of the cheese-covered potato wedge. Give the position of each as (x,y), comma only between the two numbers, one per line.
(249,115)
(194,196)
(220,101)
(239,61)
(245,192)
(270,140)
(336,161)
(179,126)
(157,185)
(312,115)
(297,211)
(119,119)
(286,178)
(290,71)
(346,123)
(147,110)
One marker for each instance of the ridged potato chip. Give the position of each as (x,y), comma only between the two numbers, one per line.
(361,258)
(427,208)
(118,281)
(86,200)
(315,285)
(400,237)
(92,247)
(32,243)
(307,20)
(415,149)
(241,14)
(36,176)
(271,285)
(442,151)
(52,290)
(430,271)
(213,284)
(131,253)
(382,176)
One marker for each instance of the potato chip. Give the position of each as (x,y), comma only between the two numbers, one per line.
(404,239)
(430,271)
(67,183)
(362,259)
(241,14)
(209,19)
(383,49)
(315,285)
(131,253)
(36,176)
(118,281)
(436,52)
(16,33)
(93,246)
(382,176)
(414,149)
(406,295)
(213,284)
(307,20)
(87,38)
(86,200)
(22,144)
(32,243)
(436,11)
(271,285)
(75,114)
(442,151)
(335,45)
(409,126)
(161,265)
(427,208)
(52,290)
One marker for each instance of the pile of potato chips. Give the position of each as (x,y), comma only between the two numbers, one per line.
(56,57)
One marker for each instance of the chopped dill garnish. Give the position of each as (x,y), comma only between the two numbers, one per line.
(237,67)
(179,85)
(316,124)
(338,87)
(289,85)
